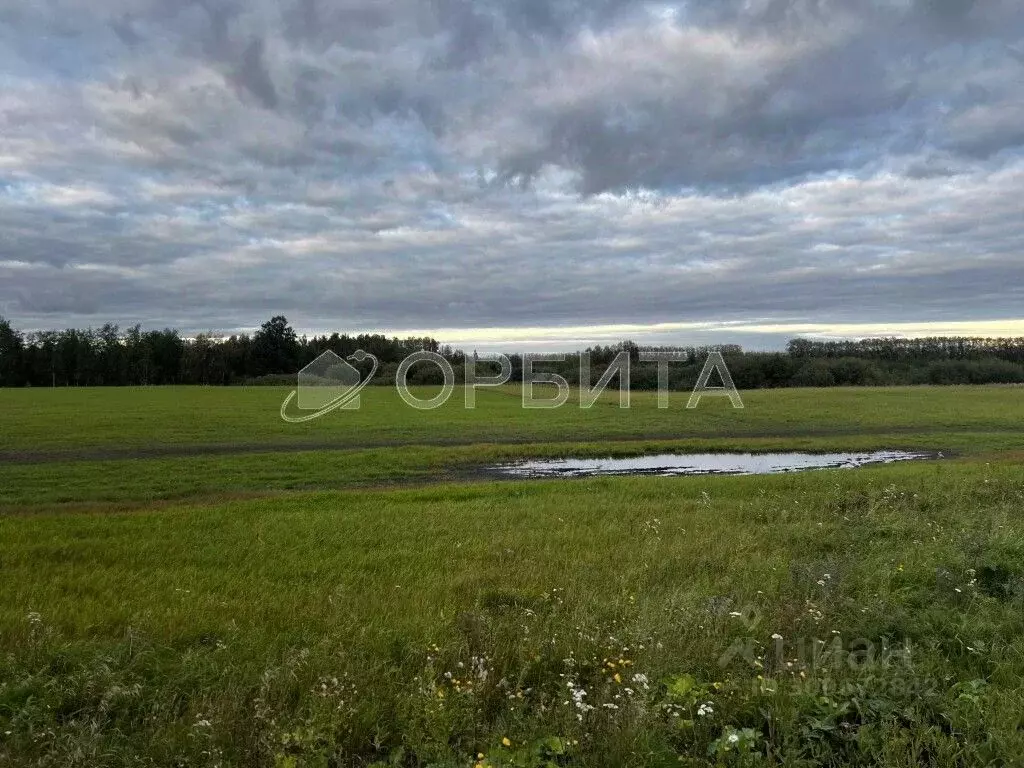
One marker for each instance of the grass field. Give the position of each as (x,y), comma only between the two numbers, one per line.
(183,418)
(187,580)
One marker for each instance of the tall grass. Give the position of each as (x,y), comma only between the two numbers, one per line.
(832,618)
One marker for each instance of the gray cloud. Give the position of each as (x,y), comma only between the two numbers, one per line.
(252,75)
(408,164)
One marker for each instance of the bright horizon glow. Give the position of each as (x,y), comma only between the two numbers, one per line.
(571,337)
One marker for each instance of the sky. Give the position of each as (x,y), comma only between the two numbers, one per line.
(494,173)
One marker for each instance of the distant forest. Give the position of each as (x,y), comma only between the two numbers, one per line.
(110,356)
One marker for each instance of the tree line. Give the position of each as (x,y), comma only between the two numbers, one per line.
(110,356)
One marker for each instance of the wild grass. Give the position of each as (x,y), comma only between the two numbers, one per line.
(75,419)
(424,627)
(26,486)
(867,617)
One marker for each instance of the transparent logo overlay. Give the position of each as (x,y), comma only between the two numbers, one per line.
(331,382)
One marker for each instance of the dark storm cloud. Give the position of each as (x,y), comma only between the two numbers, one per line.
(446,163)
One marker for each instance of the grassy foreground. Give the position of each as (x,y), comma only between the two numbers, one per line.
(828,618)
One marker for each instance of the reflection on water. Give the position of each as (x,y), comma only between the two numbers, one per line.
(704,464)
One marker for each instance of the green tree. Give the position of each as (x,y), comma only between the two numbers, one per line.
(11,350)
(276,347)
(165,349)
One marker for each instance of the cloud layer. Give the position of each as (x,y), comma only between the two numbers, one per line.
(397,164)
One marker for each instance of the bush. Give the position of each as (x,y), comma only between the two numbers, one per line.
(854,372)
(987,371)
(817,373)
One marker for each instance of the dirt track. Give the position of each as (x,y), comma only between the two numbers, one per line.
(100,453)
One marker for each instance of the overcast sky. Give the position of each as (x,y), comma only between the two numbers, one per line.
(531,171)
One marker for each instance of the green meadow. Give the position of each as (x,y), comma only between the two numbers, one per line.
(186,580)
(79,420)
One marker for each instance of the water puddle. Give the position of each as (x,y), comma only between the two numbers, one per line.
(704,464)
